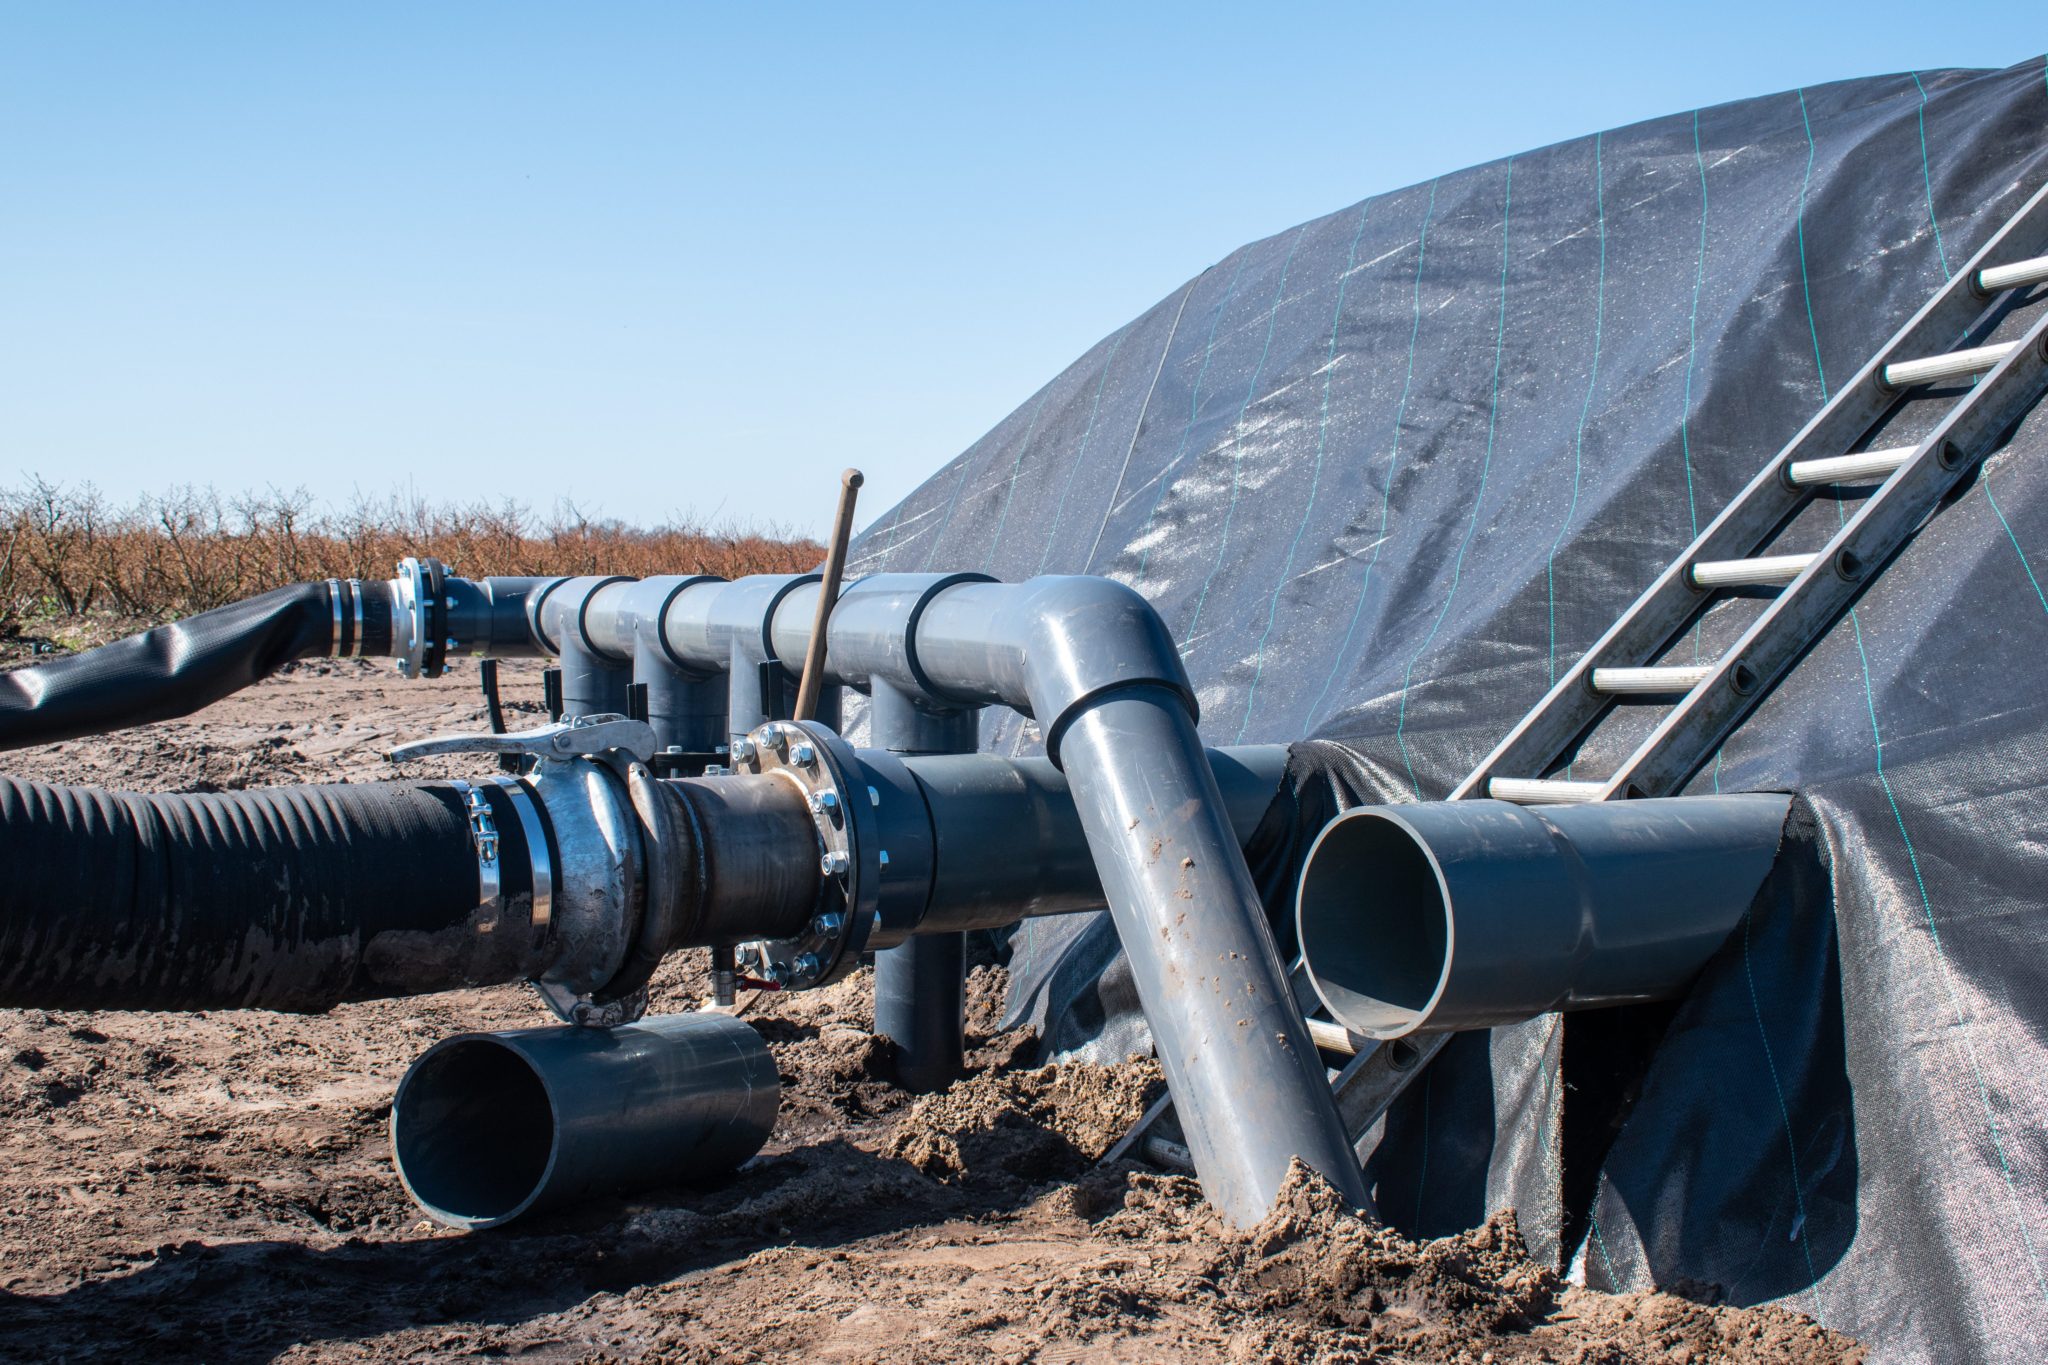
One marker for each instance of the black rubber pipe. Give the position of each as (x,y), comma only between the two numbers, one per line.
(292,898)
(176,669)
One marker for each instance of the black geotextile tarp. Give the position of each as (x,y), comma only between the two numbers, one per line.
(1385,473)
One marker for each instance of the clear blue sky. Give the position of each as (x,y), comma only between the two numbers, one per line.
(669,260)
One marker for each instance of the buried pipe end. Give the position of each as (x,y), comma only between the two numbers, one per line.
(1473,914)
(487,1128)
(1369,868)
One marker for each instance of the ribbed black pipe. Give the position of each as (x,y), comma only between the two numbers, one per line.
(290,898)
(174,670)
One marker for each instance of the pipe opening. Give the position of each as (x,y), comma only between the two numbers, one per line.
(473,1132)
(1375,923)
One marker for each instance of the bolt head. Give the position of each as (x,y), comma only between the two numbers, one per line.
(828,801)
(803,755)
(874,797)
(882,857)
(777,972)
(834,863)
(826,923)
(774,738)
(807,967)
(742,750)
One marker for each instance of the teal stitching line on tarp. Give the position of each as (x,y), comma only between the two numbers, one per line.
(1912,854)
(1784,1113)
(1237,435)
(2043,597)
(1315,482)
(1927,902)
(1941,959)
(1927,176)
(995,543)
(1479,495)
(1804,284)
(1585,408)
(1138,427)
(1386,489)
(1194,410)
(1060,509)
(1813,330)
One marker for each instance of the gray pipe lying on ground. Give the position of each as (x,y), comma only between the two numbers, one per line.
(489,1127)
(1472,914)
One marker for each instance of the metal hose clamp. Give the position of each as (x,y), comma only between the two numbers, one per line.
(355,592)
(483,834)
(524,806)
(336,640)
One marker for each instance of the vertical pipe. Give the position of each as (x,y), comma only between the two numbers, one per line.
(591,684)
(1251,1091)
(921,984)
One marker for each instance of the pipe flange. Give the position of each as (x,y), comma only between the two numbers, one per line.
(823,767)
(420,590)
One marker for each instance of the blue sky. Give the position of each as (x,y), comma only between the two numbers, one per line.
(666,260)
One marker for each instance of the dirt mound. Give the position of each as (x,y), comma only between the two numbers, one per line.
(1047,1123)
(218,1186)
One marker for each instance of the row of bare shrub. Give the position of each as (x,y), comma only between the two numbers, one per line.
(69,551)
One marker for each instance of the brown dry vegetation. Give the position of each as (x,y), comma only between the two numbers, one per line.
(70,551)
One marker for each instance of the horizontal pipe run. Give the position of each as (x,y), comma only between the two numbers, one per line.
(491,1127)
(1474,914)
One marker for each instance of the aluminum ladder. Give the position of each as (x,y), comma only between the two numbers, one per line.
(1901,488)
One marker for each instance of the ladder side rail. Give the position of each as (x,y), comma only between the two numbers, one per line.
(1856,555)
(1671,601)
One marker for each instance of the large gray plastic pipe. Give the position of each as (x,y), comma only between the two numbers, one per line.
(488,1127)
(1473,914)
(1094,665)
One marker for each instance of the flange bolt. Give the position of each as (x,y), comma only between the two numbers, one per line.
(834,863)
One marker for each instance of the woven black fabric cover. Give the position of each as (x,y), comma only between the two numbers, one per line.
(1388,471)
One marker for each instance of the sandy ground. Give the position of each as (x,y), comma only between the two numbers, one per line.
(218,1186)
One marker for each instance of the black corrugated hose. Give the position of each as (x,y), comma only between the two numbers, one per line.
(288,898)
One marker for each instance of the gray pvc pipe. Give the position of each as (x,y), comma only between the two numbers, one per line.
(1473,914)
(1249,1086)
(1009,842)
(489,1127)
(921,985)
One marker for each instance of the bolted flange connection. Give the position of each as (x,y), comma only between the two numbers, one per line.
(825,770)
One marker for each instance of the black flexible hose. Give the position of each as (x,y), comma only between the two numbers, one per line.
(288,898)
(174,670)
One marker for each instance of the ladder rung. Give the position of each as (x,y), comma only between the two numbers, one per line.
(1331,1037)
(1769,571)
(1993,278)
(1865,464)
(1952,365)
(1529,791)
(1650,680)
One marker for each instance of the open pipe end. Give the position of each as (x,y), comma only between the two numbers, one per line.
(1375,924)
(473,1132)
